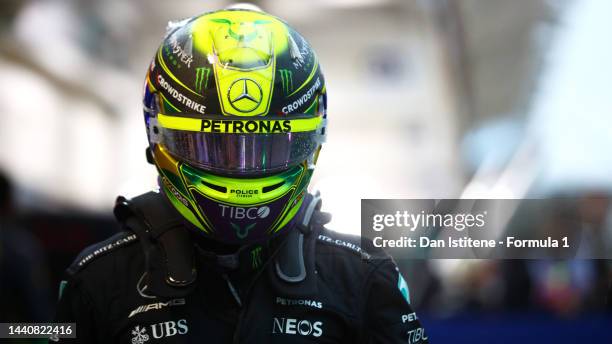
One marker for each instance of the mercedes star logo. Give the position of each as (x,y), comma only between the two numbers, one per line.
(244,95)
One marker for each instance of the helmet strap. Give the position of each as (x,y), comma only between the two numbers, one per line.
(294,267)
(167,247)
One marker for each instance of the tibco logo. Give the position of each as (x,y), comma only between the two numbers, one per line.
(297,326)
(239,213)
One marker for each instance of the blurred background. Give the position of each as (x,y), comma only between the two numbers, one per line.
(427,99)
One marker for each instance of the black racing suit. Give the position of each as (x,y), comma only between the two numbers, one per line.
(349,294)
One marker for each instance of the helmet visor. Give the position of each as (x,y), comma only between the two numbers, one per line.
(251,151)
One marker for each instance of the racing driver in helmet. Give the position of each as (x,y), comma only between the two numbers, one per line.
(232,248)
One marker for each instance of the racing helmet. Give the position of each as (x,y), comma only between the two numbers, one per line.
(235,111)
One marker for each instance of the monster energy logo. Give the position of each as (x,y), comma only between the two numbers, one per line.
(202,74)
(287,80)
(256,257)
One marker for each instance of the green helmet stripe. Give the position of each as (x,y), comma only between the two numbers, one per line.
(311,109)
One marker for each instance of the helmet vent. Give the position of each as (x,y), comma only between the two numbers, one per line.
(215,187)
(272,187)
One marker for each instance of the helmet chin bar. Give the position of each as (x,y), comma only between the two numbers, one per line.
(228,209)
